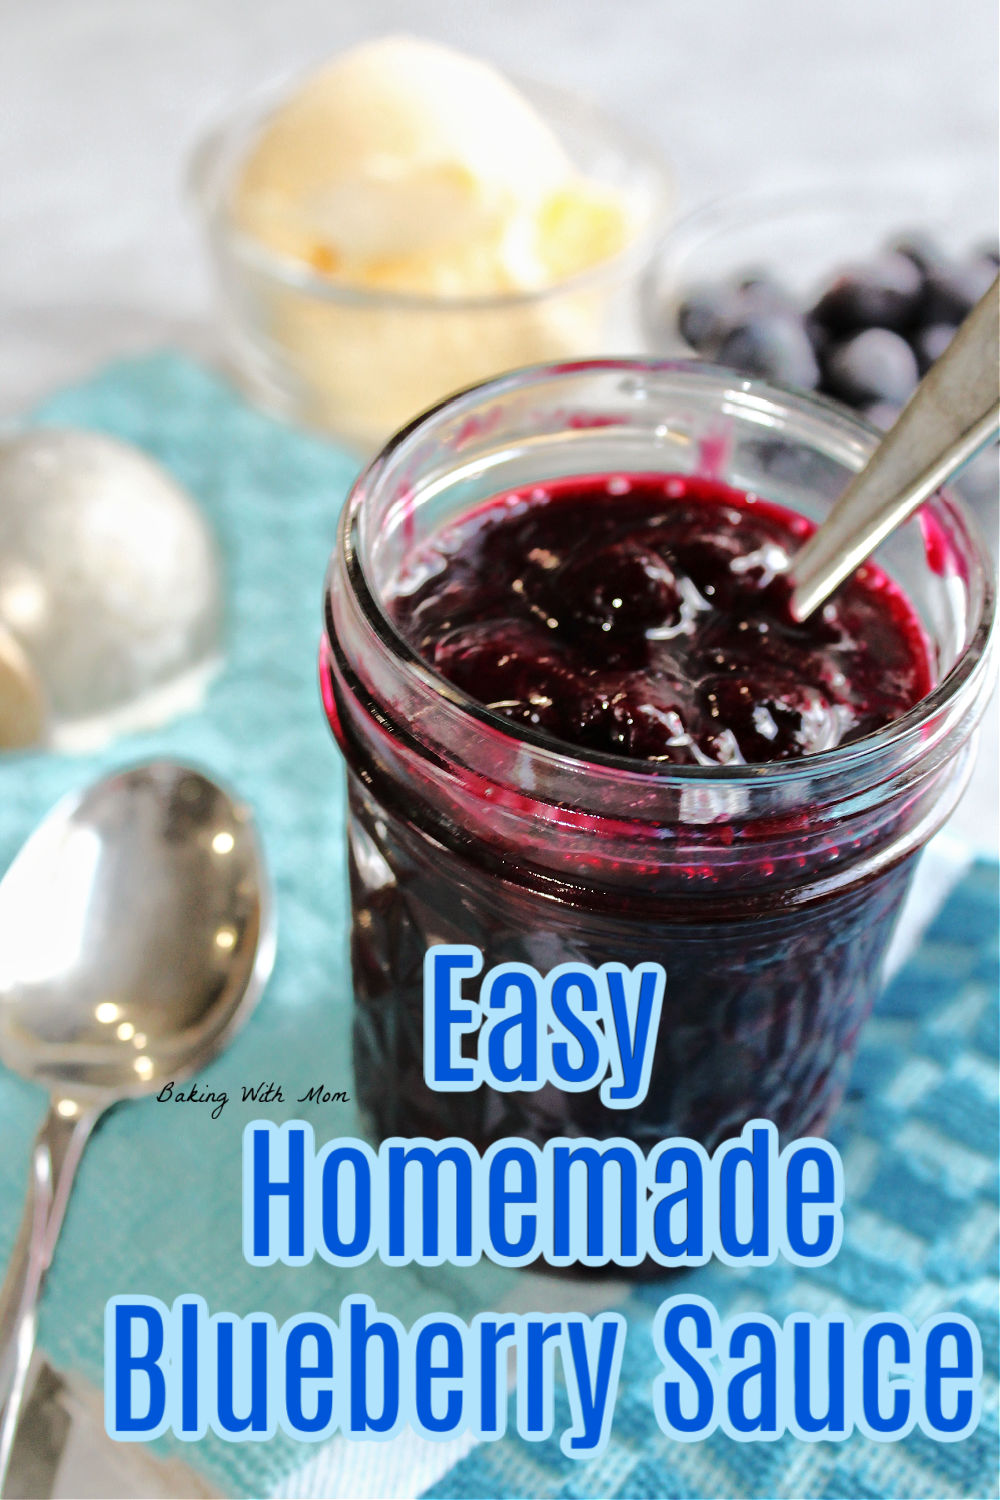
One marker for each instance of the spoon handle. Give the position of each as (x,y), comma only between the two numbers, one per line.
(55,1157)
(953,413)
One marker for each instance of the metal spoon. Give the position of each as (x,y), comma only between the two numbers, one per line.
(953,413)
(136,934)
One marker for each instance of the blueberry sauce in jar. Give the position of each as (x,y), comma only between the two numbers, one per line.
(581,726)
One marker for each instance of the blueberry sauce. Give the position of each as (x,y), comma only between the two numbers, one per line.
(647,617)
(644,617)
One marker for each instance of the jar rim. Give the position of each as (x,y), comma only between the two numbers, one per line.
(564,757)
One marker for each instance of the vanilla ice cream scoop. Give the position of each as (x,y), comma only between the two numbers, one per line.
(406,222)
(408,166)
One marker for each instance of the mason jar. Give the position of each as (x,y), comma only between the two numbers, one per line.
(767,892)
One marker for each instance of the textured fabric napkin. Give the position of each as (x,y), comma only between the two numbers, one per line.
(157,1205)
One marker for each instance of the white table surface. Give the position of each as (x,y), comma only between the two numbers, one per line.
(101,100)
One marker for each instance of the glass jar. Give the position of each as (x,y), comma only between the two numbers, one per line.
(767,892)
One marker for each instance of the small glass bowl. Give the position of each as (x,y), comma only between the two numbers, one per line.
(359,363)
(801,235)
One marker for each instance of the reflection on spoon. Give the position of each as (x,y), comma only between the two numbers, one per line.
(22,702)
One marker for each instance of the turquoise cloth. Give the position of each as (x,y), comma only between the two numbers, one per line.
(157,1206)
(918,1136)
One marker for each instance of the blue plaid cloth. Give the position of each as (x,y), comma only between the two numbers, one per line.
(157,1208)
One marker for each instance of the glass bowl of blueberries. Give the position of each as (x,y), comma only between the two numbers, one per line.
(845,289)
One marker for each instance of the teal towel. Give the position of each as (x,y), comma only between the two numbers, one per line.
(157,1207)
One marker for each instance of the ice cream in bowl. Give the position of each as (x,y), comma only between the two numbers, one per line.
(406,221)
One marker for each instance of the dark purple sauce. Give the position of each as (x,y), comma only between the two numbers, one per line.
(648,617)
(644,617)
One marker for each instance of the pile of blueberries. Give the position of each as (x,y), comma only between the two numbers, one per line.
(867,340)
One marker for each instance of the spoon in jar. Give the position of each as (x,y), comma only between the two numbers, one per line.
(953,413)
(136,934)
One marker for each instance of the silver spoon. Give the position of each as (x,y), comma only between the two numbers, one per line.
(136,934)
(953,413)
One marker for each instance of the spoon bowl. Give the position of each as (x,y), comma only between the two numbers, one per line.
(134,933)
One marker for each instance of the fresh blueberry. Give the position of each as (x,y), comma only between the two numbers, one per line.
(931,342)
(876,365)
(952,291)
(773,345)
(706,315)
(819,337)
(919,247)
(883,293)
(760,292)
(881,413)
